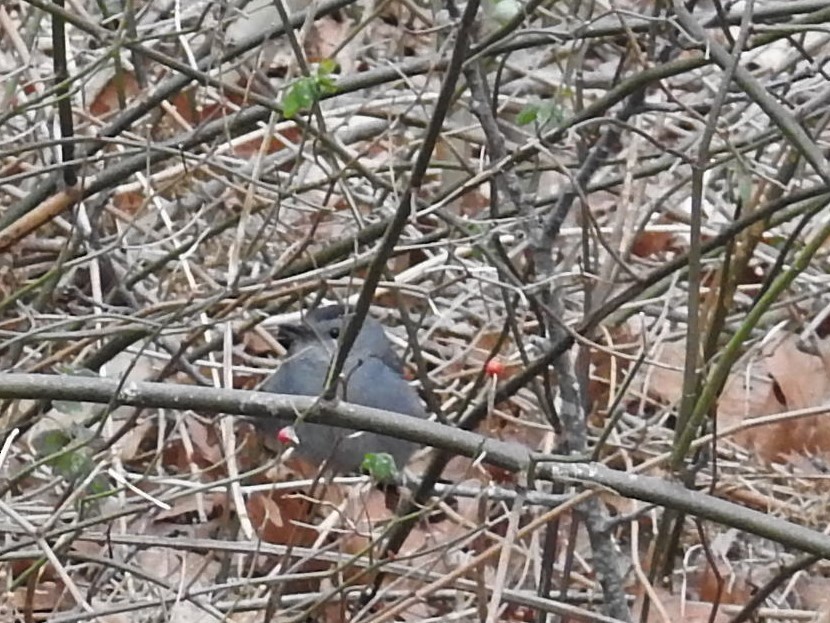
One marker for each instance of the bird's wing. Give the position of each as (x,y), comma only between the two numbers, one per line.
(369,381)
(391,359)
(296,375)
(373,383)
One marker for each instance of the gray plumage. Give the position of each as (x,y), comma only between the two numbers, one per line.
(372,377)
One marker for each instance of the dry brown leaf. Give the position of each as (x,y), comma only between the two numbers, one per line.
(608,369)
(129,445)
(267,518)
(275,516)
(129,202)
(734,587)
(367,509)
(185,105)
(782,379)
(747,396)
(185,508)
(257,343)
(47,596)
(106,101)
(325,37)
(206,445)
(648,243)
(802,378)
(798,381)
(814,592)
(677,609)
(473,204)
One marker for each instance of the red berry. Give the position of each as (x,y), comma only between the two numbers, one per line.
(288,436)
(494,367)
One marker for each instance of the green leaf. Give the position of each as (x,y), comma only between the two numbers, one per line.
(100,487)
(51,442)
(326,66)
(380,466)
(327,85)
(550,112)
(528,114)
(73,465)
(297,97)
(542,113)
(308,90)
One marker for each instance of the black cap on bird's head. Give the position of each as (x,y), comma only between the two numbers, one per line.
(324,325)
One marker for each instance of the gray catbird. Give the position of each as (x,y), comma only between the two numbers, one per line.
(372,377)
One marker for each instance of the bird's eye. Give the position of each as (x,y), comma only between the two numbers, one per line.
(334,332)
